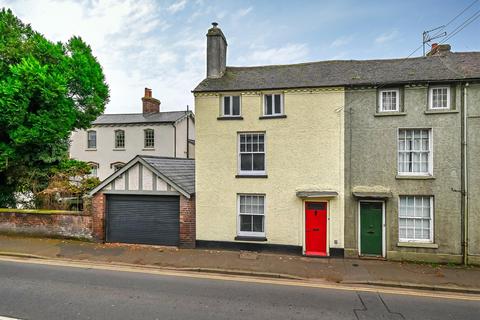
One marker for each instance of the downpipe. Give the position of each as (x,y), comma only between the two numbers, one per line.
(465,175)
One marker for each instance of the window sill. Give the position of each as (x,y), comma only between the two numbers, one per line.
(91,149)
(118,149)
(281,116)
(250,238)
(405,177)
(251,176)
(388,114)
(418,245)
(230,118)
(148,149)
(446,111)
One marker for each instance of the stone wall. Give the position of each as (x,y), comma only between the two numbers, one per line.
(49,223)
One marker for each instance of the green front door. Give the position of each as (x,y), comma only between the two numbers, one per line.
(371,228)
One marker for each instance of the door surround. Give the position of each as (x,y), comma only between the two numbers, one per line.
(304,207)
(383,227)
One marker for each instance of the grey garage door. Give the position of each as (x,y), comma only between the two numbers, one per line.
(143,219)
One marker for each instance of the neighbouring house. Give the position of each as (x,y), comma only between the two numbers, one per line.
(363,158)
(411,150)
(269,157)
(150,200)
(114,139)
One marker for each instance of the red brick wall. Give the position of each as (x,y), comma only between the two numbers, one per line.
(187,222)
(68,225)
(98,216)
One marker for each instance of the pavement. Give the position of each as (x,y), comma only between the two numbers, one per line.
(272,265)
(36,289)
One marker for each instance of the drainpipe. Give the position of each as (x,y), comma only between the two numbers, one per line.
(188,122)
(465,175)
(174,140)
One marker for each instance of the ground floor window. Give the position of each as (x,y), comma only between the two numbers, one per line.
(415,219)
(251,215)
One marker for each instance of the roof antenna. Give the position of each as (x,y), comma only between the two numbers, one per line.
(427,37)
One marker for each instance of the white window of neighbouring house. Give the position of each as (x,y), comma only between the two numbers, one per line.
(119,139)
(389,100)
(231,106)
(273,104)
(91,139)
(251,215)
(251,153)
(94,169)
(415,152)
(415,219)
(117,166)
(439,98)
(149,138)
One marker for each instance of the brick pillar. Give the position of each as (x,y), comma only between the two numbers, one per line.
(187,222)
(98,216)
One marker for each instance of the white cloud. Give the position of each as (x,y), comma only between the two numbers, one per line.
(290,53)
(177,6)
(244,12)
(341,41)
(386,37)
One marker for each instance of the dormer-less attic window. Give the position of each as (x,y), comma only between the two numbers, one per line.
(439,98)
(389,100)
(273,105)
(119,139)
(231,106)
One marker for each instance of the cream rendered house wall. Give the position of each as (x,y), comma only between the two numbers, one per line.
(105,153)
(303,151)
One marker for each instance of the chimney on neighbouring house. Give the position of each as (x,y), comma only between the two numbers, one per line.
(439,49)
(150,104)
(216,52)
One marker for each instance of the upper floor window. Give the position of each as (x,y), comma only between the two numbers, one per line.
(251,153)
(389,100)
(273,104)
(119,139)
(149,138)
(415,219)
(231,106)
(439,98)
(91,139)
(117,165)
(414,152)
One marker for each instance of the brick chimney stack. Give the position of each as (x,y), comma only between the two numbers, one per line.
(150,104)
(439,49)
(216,52)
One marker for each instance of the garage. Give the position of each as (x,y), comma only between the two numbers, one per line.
(151,200)
(143,219)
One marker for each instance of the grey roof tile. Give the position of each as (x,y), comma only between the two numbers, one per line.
(451,66)
(180,171)
(133,118)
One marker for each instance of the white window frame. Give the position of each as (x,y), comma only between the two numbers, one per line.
(429,157)
(239,158)
(430,97)
(380,100)
(231,106)
(251,233)
(282,106)
(145,138)
(432,222)
(117,165)
(88,140)
(96,166)
(115,139)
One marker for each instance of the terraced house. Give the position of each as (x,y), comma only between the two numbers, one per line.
(355,158)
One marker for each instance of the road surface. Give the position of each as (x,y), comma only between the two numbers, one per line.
(37,291)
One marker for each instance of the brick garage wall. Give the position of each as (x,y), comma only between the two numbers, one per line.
(187,222)
(97,211)
(69,225)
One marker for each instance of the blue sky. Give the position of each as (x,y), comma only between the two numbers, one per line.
(161,44)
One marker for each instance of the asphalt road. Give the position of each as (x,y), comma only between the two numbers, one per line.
(32,291)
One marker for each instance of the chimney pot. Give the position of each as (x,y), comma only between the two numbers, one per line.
(439,49)
(214,24)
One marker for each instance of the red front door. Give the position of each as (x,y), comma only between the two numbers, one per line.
(316,228)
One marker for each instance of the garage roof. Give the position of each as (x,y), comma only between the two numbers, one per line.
(177,172)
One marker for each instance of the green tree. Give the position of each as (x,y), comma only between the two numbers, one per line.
(47,90)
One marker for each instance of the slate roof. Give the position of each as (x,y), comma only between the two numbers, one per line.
(450,66)
(178,170)
(132,118)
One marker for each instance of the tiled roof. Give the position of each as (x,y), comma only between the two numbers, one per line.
(134,118)
(450,66)
(180,171)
